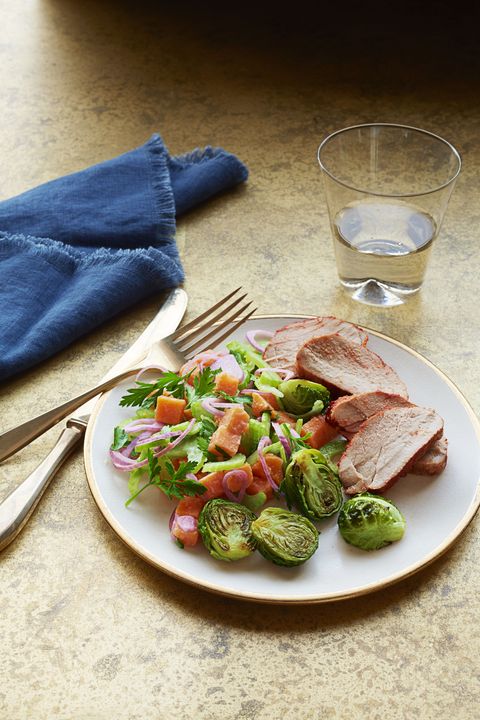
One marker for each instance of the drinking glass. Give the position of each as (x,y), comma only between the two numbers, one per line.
(387,189)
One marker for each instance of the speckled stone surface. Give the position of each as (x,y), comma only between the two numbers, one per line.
(88,629)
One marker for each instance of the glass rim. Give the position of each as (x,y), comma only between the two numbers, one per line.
(453,150)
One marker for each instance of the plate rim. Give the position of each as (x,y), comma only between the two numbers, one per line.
(359,591)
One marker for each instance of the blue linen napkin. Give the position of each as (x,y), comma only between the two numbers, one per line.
(76,251)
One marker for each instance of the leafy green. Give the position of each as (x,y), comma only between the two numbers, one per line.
(173,483)
(145,394)
(296,443)
(248,359)
(203,385)
(120,438)
(255,431)
(240,399)
(207,428)
(134,480)
(196,455)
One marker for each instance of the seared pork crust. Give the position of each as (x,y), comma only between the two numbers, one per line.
(386,447)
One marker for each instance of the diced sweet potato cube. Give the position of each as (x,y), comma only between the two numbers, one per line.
(191,505)
(214,484)
(234,482)
(282,417)
(260,484)
(188,538)
(169,409)
(259,404)
(321,431)
(226,383)
(227,436)
(275,465)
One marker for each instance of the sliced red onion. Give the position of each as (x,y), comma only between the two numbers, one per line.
(242,475)
(191,476)
(228,364)
(177,440)
(294,433)
(127,451)
(210,406)
(216,407)
(121,462)
(283,438)
(264,442)
(128,464)
(143,424)
(187,523)
(171,522)
(150,367)
(283,372)
(163,435)
(251,336)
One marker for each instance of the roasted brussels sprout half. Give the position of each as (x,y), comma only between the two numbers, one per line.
(284,537)
(303,398)
(370,522)
(312,484)
(225,528)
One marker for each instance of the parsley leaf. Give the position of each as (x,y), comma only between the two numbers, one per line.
(145,394)
(296,443)
(203,385)
(120,439)
(240,399)
(170,481)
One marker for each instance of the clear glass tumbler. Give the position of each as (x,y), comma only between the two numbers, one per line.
(387,189)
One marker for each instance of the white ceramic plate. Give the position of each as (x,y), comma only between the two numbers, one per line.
(436,509)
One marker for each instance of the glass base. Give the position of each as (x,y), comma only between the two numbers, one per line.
(374,292)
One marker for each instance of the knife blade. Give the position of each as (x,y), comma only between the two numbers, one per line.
(17,507)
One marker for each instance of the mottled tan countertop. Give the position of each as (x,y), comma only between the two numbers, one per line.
(88,629)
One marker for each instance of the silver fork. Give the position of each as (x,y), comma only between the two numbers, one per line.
(170,353)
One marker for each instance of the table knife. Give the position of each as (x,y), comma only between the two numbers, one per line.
(17,507)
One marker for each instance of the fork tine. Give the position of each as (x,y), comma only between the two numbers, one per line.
(193,323)
(198,330)
(216,330)
(232,329)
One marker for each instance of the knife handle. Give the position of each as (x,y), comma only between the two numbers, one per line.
(17,507)
(17,437)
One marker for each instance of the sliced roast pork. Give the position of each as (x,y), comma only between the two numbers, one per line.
(386,447)
(282,349)
(350,411)
(434,460)
(346,367)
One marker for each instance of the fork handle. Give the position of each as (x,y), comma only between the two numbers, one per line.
(16,438)
(17,507)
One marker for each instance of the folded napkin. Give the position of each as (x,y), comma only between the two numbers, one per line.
(80,249)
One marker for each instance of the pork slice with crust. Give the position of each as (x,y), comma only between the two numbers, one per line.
(346,367)
(282,349)
(432,462)
(386,447)
(350,411)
